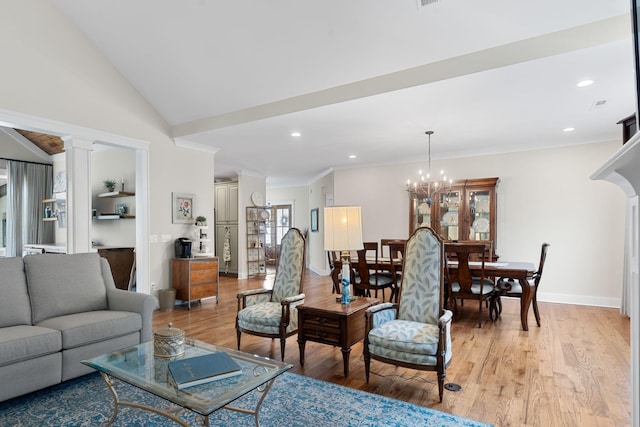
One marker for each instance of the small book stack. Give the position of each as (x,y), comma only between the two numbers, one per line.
(203,369)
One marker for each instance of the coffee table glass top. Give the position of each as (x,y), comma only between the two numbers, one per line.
(137,366)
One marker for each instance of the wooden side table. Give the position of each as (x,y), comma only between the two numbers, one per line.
(326,321)
(195,278)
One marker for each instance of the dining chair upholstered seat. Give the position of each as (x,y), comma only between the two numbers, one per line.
(369,276)
(415,332)
(512,288)
(272,312)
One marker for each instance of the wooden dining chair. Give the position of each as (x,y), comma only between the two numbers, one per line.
(462,284)
(370,276)
(512,288)
(385,243)
(396,250)
(336,266)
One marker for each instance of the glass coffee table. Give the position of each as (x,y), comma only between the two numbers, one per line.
(137,366)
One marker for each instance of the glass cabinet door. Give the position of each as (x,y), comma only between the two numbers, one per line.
(466,212)
(420,214)
(479,205)
(449,214)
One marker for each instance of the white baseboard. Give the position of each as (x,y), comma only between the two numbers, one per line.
(579,300)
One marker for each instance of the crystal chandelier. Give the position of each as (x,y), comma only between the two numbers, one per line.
(424,189)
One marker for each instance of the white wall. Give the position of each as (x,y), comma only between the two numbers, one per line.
(543,196)
(299,197)
(317,255)
(53,76)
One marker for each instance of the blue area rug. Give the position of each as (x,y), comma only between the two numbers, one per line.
(294,400)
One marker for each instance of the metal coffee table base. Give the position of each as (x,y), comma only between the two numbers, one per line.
(175,410)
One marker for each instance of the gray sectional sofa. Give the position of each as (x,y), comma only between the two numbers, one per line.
(57,310)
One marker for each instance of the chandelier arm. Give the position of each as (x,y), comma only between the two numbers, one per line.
(420,191)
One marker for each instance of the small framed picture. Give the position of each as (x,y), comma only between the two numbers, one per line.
(314,220)
(182,206)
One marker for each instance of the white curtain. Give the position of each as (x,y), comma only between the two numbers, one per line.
(28,185)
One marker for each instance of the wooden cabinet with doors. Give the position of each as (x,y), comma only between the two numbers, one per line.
(226,223)
(466,211)
(226,202)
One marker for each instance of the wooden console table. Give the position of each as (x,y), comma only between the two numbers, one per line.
(326,321)
(195,278)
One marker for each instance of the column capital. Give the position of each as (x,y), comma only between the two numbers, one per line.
(75,142)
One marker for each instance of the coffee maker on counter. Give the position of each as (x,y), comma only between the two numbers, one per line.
(183,247)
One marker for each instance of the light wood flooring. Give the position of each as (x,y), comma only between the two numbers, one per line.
(574,370)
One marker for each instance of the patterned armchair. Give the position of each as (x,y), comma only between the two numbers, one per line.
(272,312)
(414,333)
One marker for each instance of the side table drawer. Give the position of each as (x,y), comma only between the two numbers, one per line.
(328,336)
(312,320)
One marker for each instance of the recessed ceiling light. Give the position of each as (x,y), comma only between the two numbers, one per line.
(584,83)
(352,156)
(295,134)
(568,129)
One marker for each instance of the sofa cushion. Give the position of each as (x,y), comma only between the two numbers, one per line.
(22,342)
(85,328)
(64,284)
(15,308)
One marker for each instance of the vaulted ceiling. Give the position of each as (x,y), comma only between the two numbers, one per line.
(368,78)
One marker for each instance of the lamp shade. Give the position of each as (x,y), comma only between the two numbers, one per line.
(342,228)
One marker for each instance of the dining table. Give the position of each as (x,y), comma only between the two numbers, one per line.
(516,270)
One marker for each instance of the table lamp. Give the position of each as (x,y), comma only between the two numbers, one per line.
(343,232)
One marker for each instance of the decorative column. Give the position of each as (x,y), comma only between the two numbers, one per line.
(78,164)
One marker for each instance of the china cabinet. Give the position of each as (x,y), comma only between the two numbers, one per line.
(465,211)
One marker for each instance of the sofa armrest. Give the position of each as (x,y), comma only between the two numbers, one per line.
(143,304)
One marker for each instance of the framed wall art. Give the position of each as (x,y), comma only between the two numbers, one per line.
(182,208)
(314,220)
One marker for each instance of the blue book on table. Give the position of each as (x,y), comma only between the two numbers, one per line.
(202,369)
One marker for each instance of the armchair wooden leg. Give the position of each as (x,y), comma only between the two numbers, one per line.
(367,366)
(283,341)
(238,337)
(441,378)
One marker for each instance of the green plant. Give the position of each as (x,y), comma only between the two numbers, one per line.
(110,184)
(200,220)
